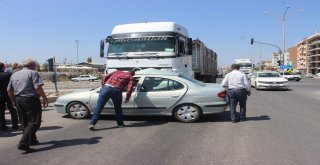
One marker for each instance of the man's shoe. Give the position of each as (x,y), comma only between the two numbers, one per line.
(120,126)
(15,127)
(91,127)
(25,148)
(234,121)
(34,142)
(243,119)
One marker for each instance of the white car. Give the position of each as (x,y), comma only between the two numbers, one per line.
(155,93)
(268,80)
(85,78)
(290,76)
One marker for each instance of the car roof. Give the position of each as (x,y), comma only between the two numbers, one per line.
(267,72)
(152,71)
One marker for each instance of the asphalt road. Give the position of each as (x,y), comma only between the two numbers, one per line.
(283,128)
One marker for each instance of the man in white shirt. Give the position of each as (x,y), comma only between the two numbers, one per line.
(238,89)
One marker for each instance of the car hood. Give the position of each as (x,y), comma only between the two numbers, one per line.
(76,95)
(271,79)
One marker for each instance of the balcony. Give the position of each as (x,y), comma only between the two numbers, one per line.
(314,62)
(314,43)
(313,49)
(314,55)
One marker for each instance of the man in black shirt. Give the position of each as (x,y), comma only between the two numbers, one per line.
(5,100)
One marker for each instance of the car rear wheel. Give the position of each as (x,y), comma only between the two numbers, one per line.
(187,113)
(78,110)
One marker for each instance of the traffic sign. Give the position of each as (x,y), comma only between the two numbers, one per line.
(285,66)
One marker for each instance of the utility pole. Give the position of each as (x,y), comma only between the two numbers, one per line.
(77,42)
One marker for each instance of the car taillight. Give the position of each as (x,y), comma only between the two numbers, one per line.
(222,94)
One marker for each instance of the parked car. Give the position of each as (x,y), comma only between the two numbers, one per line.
(268,80)
(85,78)
(156,92)
(309,75)
(290,76)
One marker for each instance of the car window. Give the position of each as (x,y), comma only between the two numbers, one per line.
(192,80)
(160,84)
(269,75)
(135,83)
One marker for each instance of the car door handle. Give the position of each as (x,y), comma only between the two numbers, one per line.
(175,96)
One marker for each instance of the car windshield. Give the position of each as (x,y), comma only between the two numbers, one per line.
(192,80)
(269,75)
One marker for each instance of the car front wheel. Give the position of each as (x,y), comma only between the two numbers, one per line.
(187,113)
(78,110)
(256,86)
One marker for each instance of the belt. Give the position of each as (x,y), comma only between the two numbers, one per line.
(108,85)
(234,89)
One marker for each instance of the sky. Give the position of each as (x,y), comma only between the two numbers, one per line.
(42,29)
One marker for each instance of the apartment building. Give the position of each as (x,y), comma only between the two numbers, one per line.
(293,56)
(302,56)
(313,53)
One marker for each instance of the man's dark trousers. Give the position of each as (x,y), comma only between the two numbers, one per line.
(235,96)
(5,100)
(30,112)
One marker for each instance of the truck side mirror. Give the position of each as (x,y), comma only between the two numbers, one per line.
(189,46)
(102,48)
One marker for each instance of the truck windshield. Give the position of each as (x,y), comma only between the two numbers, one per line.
(245,65)
(143,44)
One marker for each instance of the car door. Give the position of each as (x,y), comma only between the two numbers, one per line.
(158,94)
(129,108)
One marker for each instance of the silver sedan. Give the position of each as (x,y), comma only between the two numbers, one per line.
(156,92)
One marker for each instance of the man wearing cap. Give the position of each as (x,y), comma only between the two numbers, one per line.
(112,86)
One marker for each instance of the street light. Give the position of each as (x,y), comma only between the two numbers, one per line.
(283,18)
(77,42)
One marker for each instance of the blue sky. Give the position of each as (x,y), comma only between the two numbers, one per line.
(42,29)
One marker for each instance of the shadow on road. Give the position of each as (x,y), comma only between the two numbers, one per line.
(225,117)
(67,143)
(219,117)
(146,121)
(50,128)
(257,118)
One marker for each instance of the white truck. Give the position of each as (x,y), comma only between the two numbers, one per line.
(159,45)
(246,66)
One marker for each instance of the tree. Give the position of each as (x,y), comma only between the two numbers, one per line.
(45,67)
(89,59)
